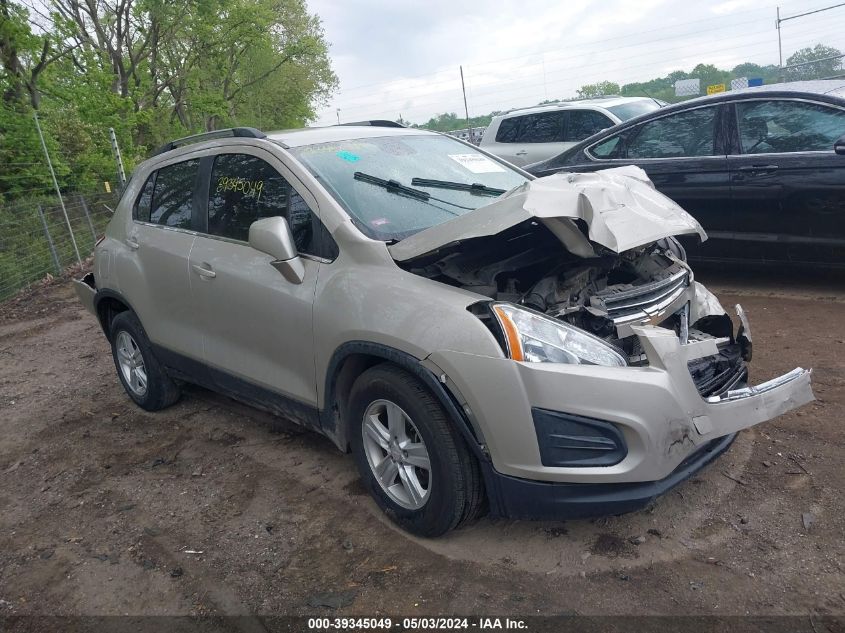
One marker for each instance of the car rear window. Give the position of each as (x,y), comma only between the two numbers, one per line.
(627,111)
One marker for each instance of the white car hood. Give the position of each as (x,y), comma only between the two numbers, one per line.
(621,207)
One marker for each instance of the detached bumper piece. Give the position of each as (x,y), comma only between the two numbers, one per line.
(517,498)
(86,290)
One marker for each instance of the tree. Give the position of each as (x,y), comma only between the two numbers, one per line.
(598,90)
(210,62)
(449,121)
(826,63)
(152,70)
(24,56)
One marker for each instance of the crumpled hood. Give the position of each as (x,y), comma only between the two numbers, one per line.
(621,207)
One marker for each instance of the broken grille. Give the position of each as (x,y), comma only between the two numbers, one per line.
(645,302)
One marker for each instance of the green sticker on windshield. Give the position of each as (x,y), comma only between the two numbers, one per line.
(348,156)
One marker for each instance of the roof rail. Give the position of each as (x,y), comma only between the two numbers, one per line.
(376,123)
(562,102)
(237,132)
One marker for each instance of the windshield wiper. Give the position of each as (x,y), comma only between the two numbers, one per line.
(394,186)
(476,188)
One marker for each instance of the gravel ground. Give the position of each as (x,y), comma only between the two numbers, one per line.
(211,507)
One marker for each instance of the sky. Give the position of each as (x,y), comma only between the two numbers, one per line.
(400,57)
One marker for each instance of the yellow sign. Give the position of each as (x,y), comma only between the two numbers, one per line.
(108,187)
(711,90)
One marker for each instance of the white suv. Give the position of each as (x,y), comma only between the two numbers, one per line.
(533,134)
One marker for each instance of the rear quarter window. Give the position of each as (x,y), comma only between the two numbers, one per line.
(607,149)
(143,204)
(508,130)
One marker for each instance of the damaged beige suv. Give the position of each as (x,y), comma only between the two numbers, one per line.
(479,340)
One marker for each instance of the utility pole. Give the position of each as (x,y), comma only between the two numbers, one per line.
(58,191)
(792,17)
(466,108)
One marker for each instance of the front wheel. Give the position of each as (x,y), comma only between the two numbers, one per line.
(414,463)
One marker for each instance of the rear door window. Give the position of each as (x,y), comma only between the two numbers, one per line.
(767,127)
(685,134)
(584,123)
(547,127)
(173,194)
(543,127)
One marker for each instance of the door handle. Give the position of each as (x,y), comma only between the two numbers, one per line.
(521,152)
(132,243)
(202,271)
(758,169)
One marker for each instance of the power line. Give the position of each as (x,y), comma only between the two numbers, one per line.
(558,50)
(454,80)
(554,50)
(569,77)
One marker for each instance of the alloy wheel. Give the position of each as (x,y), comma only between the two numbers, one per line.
(131,363)
(397,454)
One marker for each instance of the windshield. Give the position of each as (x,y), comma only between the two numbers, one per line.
(386,212)
(627,111)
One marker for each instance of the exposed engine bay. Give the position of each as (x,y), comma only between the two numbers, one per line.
(604,294)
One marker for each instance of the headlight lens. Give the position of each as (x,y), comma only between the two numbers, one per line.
(536,338)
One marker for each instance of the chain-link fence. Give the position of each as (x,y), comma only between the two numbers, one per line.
(36,240)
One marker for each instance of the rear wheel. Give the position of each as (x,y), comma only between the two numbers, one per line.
(414,463)
(142,376)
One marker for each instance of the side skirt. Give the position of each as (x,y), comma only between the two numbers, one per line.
(198,373)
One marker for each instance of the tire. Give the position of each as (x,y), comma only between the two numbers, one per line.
(147,384)
(425,503)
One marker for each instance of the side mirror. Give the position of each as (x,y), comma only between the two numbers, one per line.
(839,145)
(273,237)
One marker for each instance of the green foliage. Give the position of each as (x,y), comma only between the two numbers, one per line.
(152,70)
(826,68)
(449,122)
(600,89)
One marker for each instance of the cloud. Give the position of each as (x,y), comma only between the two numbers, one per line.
(397,58)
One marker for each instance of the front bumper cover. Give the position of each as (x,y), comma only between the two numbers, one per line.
(657,408)
(517,498)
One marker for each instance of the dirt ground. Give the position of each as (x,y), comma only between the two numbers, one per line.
(211,507)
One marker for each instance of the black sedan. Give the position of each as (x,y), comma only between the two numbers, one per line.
(762,169)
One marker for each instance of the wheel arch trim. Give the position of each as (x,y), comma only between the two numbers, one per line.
(332,419)
(103,295)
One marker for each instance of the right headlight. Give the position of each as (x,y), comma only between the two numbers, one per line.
(535,338)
